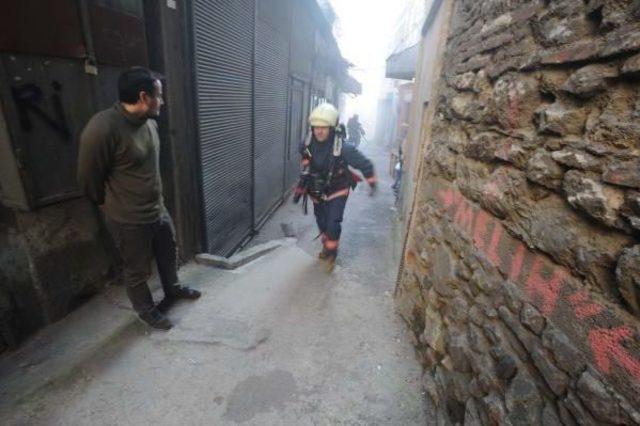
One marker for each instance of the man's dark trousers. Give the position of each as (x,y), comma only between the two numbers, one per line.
(138,244)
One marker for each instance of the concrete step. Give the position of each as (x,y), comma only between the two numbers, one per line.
(244,257)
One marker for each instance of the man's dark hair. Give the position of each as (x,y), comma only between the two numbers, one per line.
(133,81)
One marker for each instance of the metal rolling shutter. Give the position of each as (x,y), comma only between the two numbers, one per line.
(271,100)
(296,129)
(223,60)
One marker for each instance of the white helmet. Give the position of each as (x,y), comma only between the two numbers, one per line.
(324,115)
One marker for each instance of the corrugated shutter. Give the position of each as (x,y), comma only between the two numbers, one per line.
(296,129)
(223,59)
(271,100)
(303,39)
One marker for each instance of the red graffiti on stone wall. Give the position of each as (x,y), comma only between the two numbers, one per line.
(516,264)
(606,344)
(544,289)
(584,308)
(480,229)
(543,281)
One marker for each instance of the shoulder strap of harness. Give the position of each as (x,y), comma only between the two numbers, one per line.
(337,153)
(337,145)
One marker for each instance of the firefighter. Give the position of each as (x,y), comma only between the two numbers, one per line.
(356,132)
(328,163)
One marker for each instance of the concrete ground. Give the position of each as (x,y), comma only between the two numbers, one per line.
(277,342)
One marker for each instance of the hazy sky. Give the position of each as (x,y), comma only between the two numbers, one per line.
(365,31)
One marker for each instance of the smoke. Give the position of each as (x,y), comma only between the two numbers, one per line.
(365,30)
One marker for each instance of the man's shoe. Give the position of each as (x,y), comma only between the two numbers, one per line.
(165,304)
(182,292)
(156,320)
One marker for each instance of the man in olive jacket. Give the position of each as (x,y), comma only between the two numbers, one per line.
(118,169)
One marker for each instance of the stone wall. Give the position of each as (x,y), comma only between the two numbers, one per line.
(51,261)
(521,272)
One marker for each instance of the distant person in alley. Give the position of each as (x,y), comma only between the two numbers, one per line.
(327,177)
(355,130)
(118,169)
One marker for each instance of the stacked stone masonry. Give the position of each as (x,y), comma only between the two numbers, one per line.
(521,277)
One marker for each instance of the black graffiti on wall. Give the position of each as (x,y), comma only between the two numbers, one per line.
(28,99)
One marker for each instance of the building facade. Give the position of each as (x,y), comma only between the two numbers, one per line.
(240,79)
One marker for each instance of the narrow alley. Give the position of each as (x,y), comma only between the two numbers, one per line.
(487,268)
(278,342)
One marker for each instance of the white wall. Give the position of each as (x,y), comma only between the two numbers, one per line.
(429,62)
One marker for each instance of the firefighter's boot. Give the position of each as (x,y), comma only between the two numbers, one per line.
(331,261)
(324,254)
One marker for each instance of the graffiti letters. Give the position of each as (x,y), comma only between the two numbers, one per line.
(542,289)
(583,306)
(606,344)
(547,285)
(28,99)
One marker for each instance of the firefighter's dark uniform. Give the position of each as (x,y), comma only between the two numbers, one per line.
(329,210)
(355,131)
